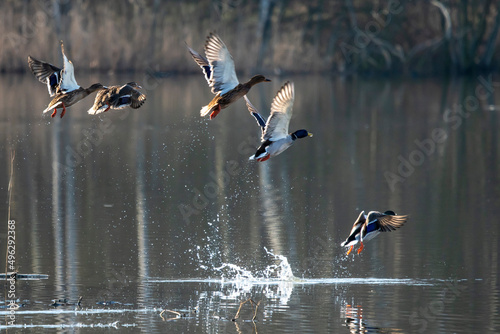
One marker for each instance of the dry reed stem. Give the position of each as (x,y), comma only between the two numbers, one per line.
(178,315)
(243,303)
(9,189)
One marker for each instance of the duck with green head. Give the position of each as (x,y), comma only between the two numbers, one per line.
(367,227)
(275,136)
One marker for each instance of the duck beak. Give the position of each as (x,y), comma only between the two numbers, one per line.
(268,79)
(310,134)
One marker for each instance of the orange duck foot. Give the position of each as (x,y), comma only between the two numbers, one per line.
(64,111)
(215,112)
(361,248)
(350,250)
(54,113)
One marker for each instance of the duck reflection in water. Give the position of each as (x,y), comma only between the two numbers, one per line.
(353,316)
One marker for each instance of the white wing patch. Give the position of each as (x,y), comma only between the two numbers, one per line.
(68,82)
(281,113)
(223,77)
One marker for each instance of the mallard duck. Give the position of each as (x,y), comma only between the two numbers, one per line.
(367,227)
(68,99)
(220,74)
(275,136)
(61,83)
(118,97)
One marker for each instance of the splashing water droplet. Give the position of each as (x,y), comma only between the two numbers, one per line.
(283,269)
(240,273)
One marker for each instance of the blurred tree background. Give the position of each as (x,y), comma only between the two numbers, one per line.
(346,36)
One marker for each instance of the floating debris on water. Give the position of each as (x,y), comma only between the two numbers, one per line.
(107,303)
(178,315)
(65,302)
(18,276)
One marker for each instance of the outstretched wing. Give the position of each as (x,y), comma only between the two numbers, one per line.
(202,62)
(45,73)
(387,223)
(355,231)
(358,223)
(223,77)
(68,82)
(281,113)
(255,113)
(127,96)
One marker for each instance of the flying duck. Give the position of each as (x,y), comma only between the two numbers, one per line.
(61,83)
(218,67)
(367,227)
(275,136)
(118,97)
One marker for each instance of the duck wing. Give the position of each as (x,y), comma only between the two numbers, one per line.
(68,82)
(223,77)
(281,113)
(356,229)
(127,96)
(386,223)
(202,62)
(255,113)
(46,73)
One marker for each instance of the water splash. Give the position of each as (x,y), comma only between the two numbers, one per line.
(281,271)
(239,272)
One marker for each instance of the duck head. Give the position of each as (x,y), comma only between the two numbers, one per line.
(257,79)
(95,87)
(392,213)
(301,134)
(134,84)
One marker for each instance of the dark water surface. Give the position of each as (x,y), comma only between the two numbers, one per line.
(156,209)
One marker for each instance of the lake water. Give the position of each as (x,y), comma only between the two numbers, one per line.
(140,211)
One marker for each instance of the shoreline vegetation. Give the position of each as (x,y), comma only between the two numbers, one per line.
(405,37)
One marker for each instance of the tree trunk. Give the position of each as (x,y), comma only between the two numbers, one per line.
(264,30)
(478,38)
(490,45)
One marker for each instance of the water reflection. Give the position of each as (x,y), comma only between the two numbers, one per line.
(353,316)
(97,201)
(356,323)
